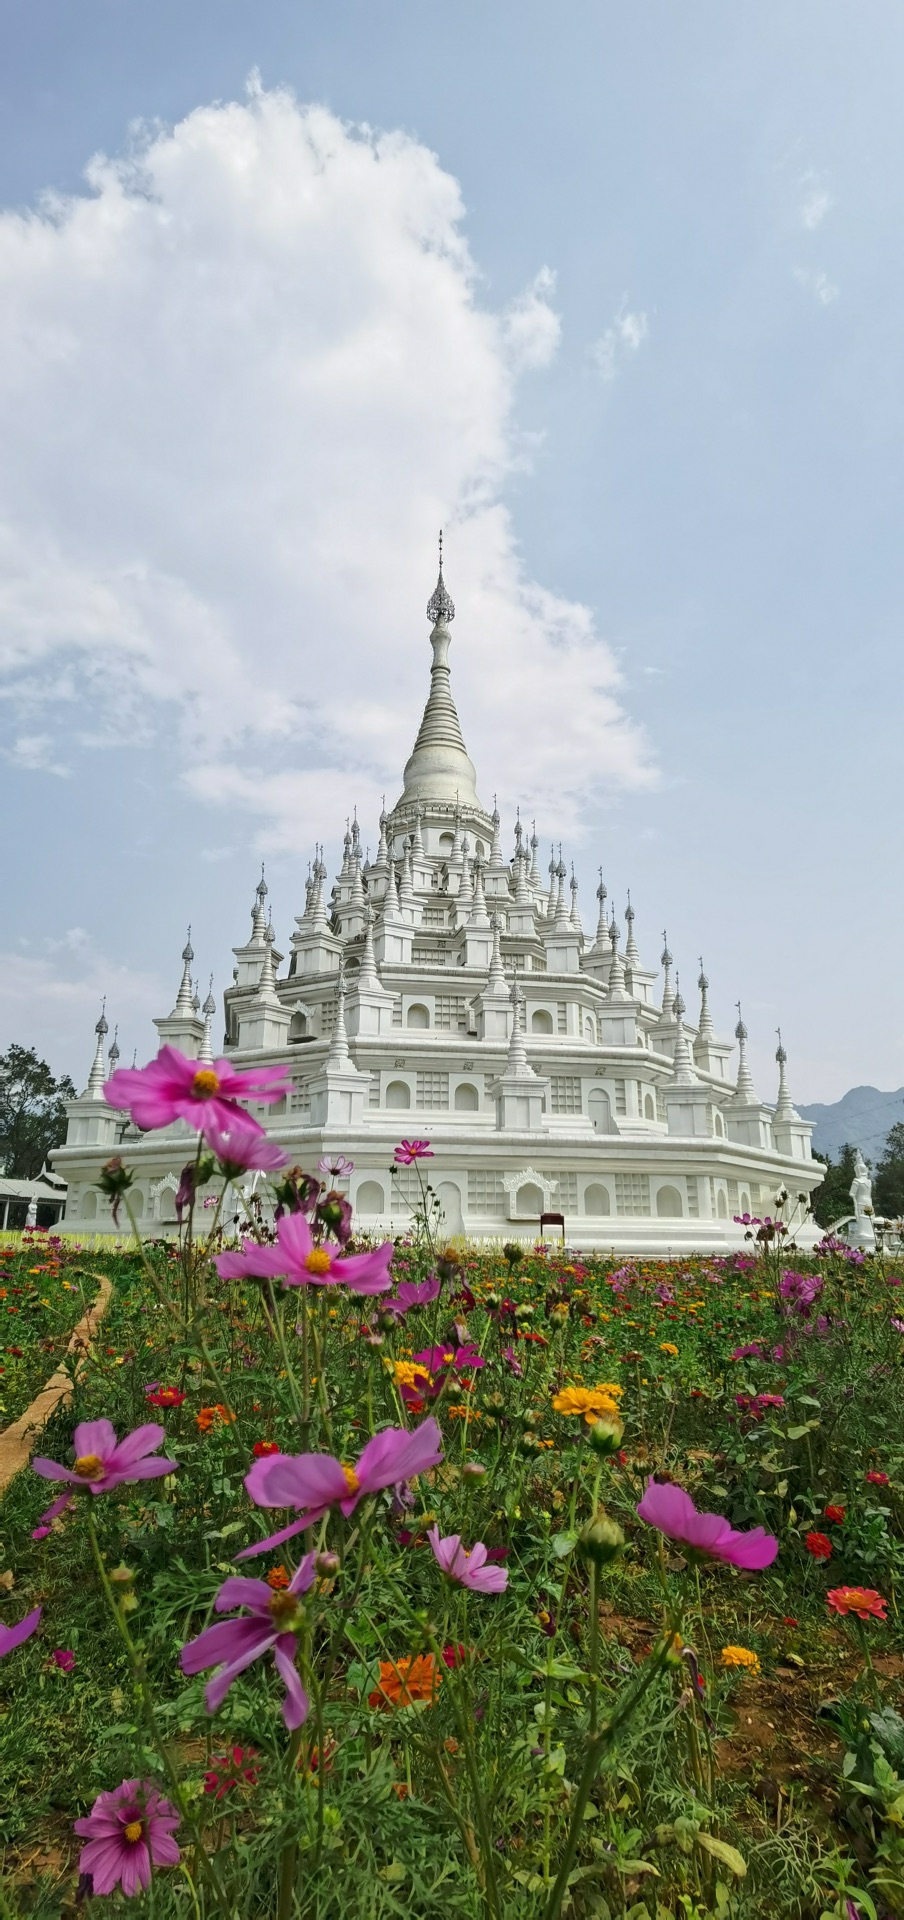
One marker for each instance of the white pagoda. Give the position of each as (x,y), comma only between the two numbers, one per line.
(445,991)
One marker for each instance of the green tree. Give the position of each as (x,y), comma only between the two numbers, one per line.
(32,1112)
(888,1185)
(833,1198)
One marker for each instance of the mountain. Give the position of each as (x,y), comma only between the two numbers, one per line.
(863,1116)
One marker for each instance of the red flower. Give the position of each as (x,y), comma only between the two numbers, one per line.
(836,1514)
(865,1602)
(455,1655)
(164,1397)
(228,1770)
(789,1620)
(263,1448)
(877,1479)
(819,1545)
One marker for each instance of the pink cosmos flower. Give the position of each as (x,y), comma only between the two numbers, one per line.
(467,1566)
(673,1513)
(240,1146)
(409,1294)
(13,1637)
(102,1462)
(317,1482)
(128,1831)
(172,1087)
(338,1169)
(299,1263)
(233,1644)
(461,1359)
(410,1150)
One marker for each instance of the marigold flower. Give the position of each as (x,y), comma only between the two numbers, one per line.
(668,1346)
(819,1545)
(739,1657)
(865,1602)
(262,1449)
(406,1682)
(215,1416)
(588,1402)
(836,1514)
(278,1579)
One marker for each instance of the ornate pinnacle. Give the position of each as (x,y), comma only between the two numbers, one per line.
(440,606)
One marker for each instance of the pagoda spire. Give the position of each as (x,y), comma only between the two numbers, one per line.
(535,880)
(632,954)
(684,1070)
(668,997)
(575,910)
(339,1055)
(367,972)
(553,878)
(617,989)
(113,1055)
(417,842)
(381,864)
(496,976)
(517,1062)
(205,1051)
(466,889)
(259,910)
(705,1028)
(602,929)
(478,916)
(744,1089)
(439,767)
(784,1107)
(185,996)
(98,1074)
(561,913)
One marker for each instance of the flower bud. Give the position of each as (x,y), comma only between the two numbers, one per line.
(558,1315)
(525,1311)
(529,1443)
(122,1576)
(605,1436)
(601,1540)
(492,1301)
(473,1470)
(387,1322)
(373,1339)
(327,1565)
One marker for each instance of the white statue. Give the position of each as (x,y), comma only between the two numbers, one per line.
(863,1234)
(31,1217)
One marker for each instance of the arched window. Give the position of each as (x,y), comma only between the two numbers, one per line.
(596,1199)
(417,1016)
(446,842)
(530,1201)
(449,1197)
(88,1208)
(745,1202)
(721,1205)
(370,1198)
(467,1099)
(589,1028)
(599,1110)
(669,1204)
(298,1027)
(167,1205)
(136,1200)
(649,1107)
(541,1021)
(719,1124)
(398,1094)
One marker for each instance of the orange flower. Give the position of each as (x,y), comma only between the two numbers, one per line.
(405,1682)
(277,1578)
(216,1416)
(865,1602)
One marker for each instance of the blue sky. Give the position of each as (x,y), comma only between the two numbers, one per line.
(643,360)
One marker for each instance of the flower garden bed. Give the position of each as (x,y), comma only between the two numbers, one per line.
(580,1598)
(45,1289)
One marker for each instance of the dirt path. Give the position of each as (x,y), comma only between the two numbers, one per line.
(16,1442)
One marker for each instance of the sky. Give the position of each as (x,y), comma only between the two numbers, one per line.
(615,296)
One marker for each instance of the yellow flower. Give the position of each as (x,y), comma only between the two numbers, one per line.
(667,1346)
(739,1657)
(407,1373)
(588,1401)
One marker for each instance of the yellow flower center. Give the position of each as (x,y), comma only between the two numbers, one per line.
(133,1832)
(351,1480)
(283,1609)
(205,1083)
(89,1467)
(318,1260)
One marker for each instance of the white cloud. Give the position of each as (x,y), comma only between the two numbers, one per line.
(243,379)
(33,753)
(532,328)
(51,996)
(815,201)
(622,338)
(817,283)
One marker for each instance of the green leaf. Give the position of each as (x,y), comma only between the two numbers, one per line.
(563,1544)
(720,1850)
(394,1874)
(797,1433)
(638,1866)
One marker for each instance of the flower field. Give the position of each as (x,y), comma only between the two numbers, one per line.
(434,1581)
